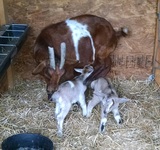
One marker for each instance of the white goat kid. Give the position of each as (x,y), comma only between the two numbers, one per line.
(105,95)
(68,93)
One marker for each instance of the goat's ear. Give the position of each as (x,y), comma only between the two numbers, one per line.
(108,105)
(93,83)
(78,70)
(39,68)
(121,100)
(60,71)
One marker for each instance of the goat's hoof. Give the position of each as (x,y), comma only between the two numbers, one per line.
(84,115)
(121,121)
(75,107)
(88,115)
(59,134)
(102,129)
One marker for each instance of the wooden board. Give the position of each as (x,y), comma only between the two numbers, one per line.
(3,14)
(156,56)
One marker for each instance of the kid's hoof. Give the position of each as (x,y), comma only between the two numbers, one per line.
(59,134)
(121,121)
(75,107)
(102,129)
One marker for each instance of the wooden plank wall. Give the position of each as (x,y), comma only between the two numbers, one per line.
(3,14)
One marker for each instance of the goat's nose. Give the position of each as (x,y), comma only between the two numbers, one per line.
(50,96)
(49,93)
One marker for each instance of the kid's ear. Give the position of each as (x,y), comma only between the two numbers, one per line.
(109,104)
(121,100)
(78,70)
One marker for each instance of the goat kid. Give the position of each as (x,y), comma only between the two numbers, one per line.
(68,93)
(105,95)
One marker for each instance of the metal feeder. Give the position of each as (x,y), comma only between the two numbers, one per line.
(11,39)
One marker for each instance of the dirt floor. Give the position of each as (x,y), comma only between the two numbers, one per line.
(25,108)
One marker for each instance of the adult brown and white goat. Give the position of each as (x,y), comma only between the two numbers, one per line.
(89,40)
(105,95)
(68,93)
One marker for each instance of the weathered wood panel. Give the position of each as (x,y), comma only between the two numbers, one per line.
(3,18)
(156,55)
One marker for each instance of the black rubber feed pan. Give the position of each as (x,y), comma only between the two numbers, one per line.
(27,141)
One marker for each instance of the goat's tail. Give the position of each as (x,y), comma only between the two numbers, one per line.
(122,32)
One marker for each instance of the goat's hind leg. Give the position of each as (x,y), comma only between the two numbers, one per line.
(60,118)
(57,109)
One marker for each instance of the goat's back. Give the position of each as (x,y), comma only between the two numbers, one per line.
(100,29)
(70,91)
(103,85)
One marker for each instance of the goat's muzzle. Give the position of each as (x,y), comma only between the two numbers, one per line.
(50,95)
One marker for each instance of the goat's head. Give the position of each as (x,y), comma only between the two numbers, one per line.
(86,71)
(112,103)
(50,71)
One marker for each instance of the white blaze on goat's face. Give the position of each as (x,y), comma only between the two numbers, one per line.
(79,31)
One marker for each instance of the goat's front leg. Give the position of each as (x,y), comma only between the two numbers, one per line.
(117,116)
(57,109)
(92,103)
(82,103)
(103,119)
(63,111)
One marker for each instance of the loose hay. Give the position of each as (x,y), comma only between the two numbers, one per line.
(26,109)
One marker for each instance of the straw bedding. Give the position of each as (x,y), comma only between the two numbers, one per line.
(26,109)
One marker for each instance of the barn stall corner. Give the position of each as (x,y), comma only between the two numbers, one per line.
(25,108)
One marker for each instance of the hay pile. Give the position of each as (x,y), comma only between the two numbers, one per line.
(26,109)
